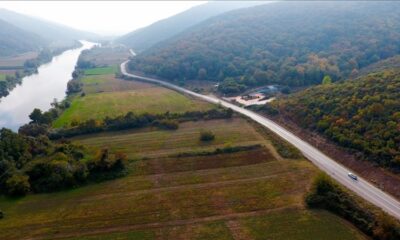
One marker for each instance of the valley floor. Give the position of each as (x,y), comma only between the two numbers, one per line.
(178,187)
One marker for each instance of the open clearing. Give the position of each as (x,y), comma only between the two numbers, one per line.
(154,100)
(108,96)
(165,142)
(16,61)
(107,55)
(101,70)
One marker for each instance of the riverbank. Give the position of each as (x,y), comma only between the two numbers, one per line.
(40,89)
(30,65)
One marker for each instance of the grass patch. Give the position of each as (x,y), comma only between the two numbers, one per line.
(112,104)
(2,76)
(300,225)
(108,83)
(284,149)
(102,70)
(139,143)
(134,235)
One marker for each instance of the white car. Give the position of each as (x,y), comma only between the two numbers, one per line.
(352,176)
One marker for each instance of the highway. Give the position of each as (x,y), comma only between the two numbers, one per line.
(337,171)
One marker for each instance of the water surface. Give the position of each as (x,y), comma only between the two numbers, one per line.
(40,89)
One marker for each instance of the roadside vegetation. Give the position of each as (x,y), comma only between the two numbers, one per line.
(326,194)
(362,115)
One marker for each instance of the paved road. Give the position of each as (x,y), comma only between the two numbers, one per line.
(337,171)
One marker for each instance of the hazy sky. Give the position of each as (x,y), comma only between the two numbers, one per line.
(103,17)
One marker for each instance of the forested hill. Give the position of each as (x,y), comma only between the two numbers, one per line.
(56,34)
(14,40)
(146,37)
(290,43)
(392,62)
(361,114)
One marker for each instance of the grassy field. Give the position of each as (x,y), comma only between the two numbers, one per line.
(2,77)
(165,142)
(102,70)
(164,201)
(107,55)
(17,61)
(108,96)
(154,100)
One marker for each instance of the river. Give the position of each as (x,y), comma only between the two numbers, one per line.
(40,89)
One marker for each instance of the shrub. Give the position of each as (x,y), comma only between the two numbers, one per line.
(18,185)
(206,136)
(168,124)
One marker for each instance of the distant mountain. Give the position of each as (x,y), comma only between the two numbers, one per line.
(287,43)
(58,34)
(146,37)
(14,40)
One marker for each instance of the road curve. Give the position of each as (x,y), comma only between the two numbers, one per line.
(337,171)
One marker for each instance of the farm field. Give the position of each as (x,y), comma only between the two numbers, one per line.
(163,201)
(139,143)
(107,55)
(16,61)
(108,96)
(101,70)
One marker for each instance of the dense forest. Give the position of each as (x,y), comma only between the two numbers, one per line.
(361,114)
(287,43)
(146,37)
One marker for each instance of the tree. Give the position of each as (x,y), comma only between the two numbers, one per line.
(18,185)
(36,115)
(202,74)
(326,80)
(206,136)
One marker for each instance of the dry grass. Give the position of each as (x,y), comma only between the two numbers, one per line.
(139,143)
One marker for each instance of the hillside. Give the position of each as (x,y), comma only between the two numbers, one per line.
(288,43)
(58,34)
(392,62)
(146,37)
(14,40)
(361,114)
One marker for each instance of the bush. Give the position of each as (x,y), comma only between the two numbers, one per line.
(106,166)
(1,214)
(168,124)
(18,185)
(206,136)
(54,175)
